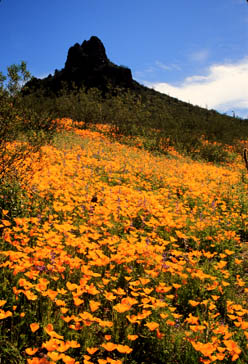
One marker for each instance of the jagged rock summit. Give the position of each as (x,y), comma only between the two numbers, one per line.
(87,65)
(90,55)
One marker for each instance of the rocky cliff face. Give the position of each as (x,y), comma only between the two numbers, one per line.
(87,65)
(89,56)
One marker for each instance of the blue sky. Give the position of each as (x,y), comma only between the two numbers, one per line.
(194,50)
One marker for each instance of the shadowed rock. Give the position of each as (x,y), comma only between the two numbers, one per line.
(90,55)
(87,65)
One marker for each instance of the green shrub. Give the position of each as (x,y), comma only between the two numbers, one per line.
(213,153)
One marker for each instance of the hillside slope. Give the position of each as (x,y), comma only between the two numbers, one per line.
(110,260)
(93,81)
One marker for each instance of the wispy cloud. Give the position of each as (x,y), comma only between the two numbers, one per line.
(224,87)
(199,56)
(163,66)
(167,67)
(155,69)
(147,71)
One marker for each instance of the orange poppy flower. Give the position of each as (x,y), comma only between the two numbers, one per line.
(193,303)
(49,328)
(244,325)
(176,285)
(152,325)
(220,356)
(63,346)
(144,281)
(34,326)
(164,315)
(132,337)
(109,346)
(94,305)
(119,291)
(170,323)
(215,298)
(121,307)
(67,359)
(192,319)
(77,301)
(37,361)
(104,323)
(206,349)
(229,252)
(71,286)
(6,223)
(92,351)
(124,349)
(148,290)
(60,303)
(232,346)
(54,355)
(31,351)
(109,296)
(92,289)
(30,295)
(73,344)
(113,361)
(237,261)
(64,310)
(4,314)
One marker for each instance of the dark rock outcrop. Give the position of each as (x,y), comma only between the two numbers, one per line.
(87,65)
(90,55)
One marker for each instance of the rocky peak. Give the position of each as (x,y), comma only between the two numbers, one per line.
(87,65)
(90,54)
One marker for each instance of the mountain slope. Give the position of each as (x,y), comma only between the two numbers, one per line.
(105,92)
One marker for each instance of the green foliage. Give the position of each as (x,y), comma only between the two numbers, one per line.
(10,353)
(213,153)
(81,105)
(17,75)
(159,120)
(20,120)
(12,198)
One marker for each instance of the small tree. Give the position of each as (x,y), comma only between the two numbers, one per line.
(17,75)
(19,119)
(10,86)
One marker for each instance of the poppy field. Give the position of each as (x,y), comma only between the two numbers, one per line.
(112,254)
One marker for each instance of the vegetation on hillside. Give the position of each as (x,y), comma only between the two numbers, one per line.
(116,246)
(162,121)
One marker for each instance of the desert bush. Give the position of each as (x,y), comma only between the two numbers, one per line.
(212,152)
(23,130)
(80,105)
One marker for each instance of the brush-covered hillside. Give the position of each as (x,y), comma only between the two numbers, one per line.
(123,230)
(92,88)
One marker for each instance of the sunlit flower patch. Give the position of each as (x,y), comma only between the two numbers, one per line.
(124,255)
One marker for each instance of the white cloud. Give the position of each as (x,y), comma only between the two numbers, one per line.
(224,87)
